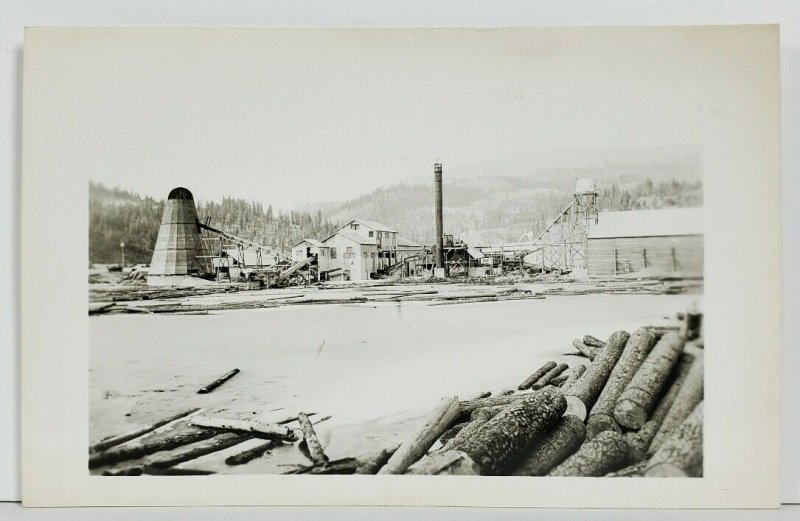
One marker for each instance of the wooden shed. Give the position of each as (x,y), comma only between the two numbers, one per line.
(668,241)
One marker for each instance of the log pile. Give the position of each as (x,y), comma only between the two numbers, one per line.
(635,410)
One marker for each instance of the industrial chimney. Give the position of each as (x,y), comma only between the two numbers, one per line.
(175,254)
(437,182)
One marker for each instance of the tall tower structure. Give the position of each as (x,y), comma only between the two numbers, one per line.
(178,243)
(437,184)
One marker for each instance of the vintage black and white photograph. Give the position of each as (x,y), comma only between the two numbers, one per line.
(424,252)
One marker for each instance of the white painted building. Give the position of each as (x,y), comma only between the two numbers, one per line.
(361,248)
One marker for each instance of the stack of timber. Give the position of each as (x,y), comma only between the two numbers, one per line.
(632,409)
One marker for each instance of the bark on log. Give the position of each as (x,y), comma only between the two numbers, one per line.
(316,454)
(501,441)
(559,380)
(372,463)
(637,348)
(586,390)
(552,448)
(638,399)
(576,373)
(452,432)
(640,441)
(413,449)
(606,453)
(471,428)
(250,454)
(681,455)
(467,406)
(452,462)
(190,452)
(219,381)
(591,341)
(181,433)
(548,377)
(687,398)
(532,379)
(112,441)
(267,430)
(589,352)
(484,394)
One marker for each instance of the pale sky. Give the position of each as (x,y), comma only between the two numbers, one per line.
(290,117)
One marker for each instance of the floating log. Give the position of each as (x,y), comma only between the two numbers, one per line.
(689,395)
(316,454)
(266,430)
(588,351)
(219,381)
(501,441)
(484,394)
(251,454)
(681,455)
(195,450)
(638,399)
(576,373)
(553,447)
(637,348)
(583,393)
(532,379)
(413,449)
(591,341)
(548,377)
(107,443)
(559,380)
(639,441)
(606,453)
(505,392)
(372,463)
(180,434)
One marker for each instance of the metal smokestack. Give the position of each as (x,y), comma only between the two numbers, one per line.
(437,183)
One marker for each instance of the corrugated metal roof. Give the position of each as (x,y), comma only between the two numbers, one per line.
(648,223)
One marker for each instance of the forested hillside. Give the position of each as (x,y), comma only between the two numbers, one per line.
(493,209)
(480,210)
(118,215)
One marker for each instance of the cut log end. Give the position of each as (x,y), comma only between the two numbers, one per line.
(629,414)
(575,407)
(599,423)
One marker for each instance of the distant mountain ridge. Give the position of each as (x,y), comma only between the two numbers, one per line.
(486,203)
